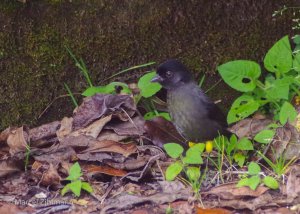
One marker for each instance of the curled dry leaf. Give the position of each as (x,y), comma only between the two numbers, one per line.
(292,186)
(8,167)
(132,127)
(230,191)
(51,177)
(94,169)
(110,135)
(4,134)
(98,105)
(45,131)
(17,141)
(65,128)
(162,131)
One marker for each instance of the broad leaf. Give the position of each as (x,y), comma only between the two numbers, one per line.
(147,87)
(107,89)
(287,113)
(239,158)
(279,57)
(193,173)
(75,187)
(240,74)
(173,170)
(75,172)
(174,150)
(279,89)
(87,187)
(193,154)
(264,136)
(271,182)
(241,108)
(254,168)
(244,144)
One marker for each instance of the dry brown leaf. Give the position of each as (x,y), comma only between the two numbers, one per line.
(45,131)
(17,141)
(51,177)
(293,182)
(8,167)
(98,105)
(132,127)
(200,210)
(65,128)
(230,191)
(112,146)
(94,169)
(110,135)
(162,131)
(4,134)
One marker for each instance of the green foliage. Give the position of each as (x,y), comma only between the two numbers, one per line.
(264,136)
(274,93)
(253,179)
(148,88)
(76,184)
(183,163)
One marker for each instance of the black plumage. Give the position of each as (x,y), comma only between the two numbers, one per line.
(195,116)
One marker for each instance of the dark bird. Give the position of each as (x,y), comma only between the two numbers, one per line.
(195,116)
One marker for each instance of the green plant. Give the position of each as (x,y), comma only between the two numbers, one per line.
(274,93)
(280,166)
(76,184)
(253,178)
(186,163)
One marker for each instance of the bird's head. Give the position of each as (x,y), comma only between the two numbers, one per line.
(172,74)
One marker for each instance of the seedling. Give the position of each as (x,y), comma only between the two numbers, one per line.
(76,184)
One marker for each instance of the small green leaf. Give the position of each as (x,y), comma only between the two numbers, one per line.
(241,108)
(244,144)
(271,182)
(254,168)
(75,172)
(296,62)
(193,173)
(87,187)
(147,87)
(254,181)
(264,136)
(150,115)
(193,154)
(279,57)
(174,150)
(75,187)
(287,113)
(243,182)
(65,190)
(107,89)
(232,144)
(239,158)
(173,170)
(240,74)
(279,88)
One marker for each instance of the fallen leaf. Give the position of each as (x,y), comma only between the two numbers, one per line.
(98,105)
(65,128)
(45,131)
(292,185)
(200,210)
(8,167)
(17,141)
(94,169)
(132,127)
(50,177)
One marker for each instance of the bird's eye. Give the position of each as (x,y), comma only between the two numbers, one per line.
(169,74)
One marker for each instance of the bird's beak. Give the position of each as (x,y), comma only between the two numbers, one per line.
(157,78)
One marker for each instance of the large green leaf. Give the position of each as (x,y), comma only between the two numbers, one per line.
(240,74)
(287,113)
(241,108)
(147,87)
(279,89)
(296,62)
(279,57)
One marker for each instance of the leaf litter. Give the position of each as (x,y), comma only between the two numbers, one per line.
(121,157)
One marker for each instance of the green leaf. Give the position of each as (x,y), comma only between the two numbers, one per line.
(279,89)
(65,190)
(241,108)
(232,144)
(296,62)
(287,113)
(279,57)
(75,172)
(296,39)
(254,168)
(193,154)
(173,170)
(264,136)
(107,89)
(150,115)
(243,182)
(271,182)
(244,144)
(193,173)
(75,187)
(239,158)
(147,87)
(174,150)
(87,187)
(254,181)
(240,74)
